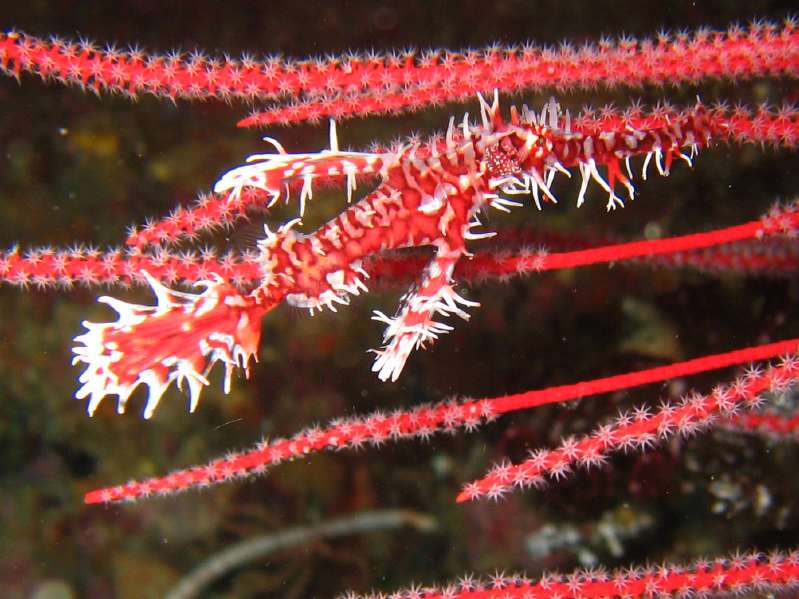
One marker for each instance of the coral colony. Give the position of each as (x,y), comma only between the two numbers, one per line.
(428,193)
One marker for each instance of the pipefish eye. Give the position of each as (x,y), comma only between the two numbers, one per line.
(502,159)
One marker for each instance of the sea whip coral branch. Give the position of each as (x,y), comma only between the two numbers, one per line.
(736,575)
(210,211)
(422,422)
(734,55)
(374,84)
(42,268)
(638,430)
(769,422)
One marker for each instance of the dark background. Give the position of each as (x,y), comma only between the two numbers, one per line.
(76,168)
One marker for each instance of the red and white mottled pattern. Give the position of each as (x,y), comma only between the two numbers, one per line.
(178,339)
(427,195)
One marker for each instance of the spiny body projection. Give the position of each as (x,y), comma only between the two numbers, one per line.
(428,194)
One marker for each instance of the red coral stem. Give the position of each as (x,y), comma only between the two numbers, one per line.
(420,422)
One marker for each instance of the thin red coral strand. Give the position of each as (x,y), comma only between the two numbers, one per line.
(638,430)
(421,422)
(737,54)
(392,82)
(44,267)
